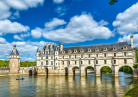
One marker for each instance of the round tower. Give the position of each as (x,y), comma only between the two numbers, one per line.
(14,62)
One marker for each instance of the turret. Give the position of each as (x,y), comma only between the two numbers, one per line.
(131,39)
(60,47)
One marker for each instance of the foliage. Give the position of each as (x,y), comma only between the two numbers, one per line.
(112,2)
(135,65)
(136,54)
(126,69)
(132,92)
(5,63)
(106,69)
(90,67)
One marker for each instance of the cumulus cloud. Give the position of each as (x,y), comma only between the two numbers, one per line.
(2,40)
(25,35)
(127,21)
(15,15)
(6,26)
(54,23)
(36,33)
(27,50)
(58,1)
(17,37)
(127,38)
(61,10)
(6,5)
(79,29)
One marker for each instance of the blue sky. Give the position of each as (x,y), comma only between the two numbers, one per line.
(33,23)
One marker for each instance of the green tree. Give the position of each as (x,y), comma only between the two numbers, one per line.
(112,2)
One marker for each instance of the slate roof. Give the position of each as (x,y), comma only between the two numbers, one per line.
(16,53)
(109,47)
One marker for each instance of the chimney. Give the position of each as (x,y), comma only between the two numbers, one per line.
(14,49)
(47,44)
(131,39)
(51,44)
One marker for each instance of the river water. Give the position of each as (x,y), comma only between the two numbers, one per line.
(66,86)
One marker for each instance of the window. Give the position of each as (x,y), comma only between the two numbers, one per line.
(125,61)
(81,56)
(81,62)
(69,56)
(89,62)
(46,62)
(41,58)
(69,62)
(89,55)
(114,54)
(51,62)
(104,54)
(56,63)
(124,53)
(63,57)
(46,52)
(63,62)
(75,62)
(114,61)
(104,61)
(96,55)
(75,56)
(41,63)
(96,61)
(105,49)
(51,57)
(46,57)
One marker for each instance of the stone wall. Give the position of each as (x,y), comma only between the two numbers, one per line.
(4,70)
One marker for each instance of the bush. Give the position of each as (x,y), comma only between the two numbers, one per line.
(135,65)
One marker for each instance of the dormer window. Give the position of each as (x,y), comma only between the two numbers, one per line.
(75,51)
(69,51)
(124,47)
(114,48)
(89,49)
(96,49)
(105,49)
(81,50)
(63,52)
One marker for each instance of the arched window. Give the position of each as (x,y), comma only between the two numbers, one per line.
(114,61)
(96,61)
(75,56)
(124,53)
(89,55)
(89,62)
(81,62)
(125,61)
(104,54)
(114,54)
(75,62)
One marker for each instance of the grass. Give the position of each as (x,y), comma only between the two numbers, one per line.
(132,92)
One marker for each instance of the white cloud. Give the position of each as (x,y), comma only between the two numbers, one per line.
(7,26)
(102,23)
(25,35)
(36,33)
(2,40)
(6,5)
(127,22)
(54,23)
(61,10)
(58,1)
(79,29)
(4,10)
(27,50)
(15,15)
(17,37)
(127,38)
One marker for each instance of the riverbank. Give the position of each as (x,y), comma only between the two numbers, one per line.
(132,92)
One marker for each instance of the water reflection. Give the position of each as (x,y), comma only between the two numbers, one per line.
(66,86)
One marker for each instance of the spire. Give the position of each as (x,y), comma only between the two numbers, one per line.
(37,49)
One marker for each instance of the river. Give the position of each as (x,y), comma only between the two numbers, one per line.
(66,86)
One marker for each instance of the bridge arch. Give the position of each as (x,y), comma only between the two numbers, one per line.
(109,68)
(128,66)
(73,69)
(87,68)
(30,72)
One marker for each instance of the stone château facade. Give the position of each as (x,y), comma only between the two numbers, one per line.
(114,55)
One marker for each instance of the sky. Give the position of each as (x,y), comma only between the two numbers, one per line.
(32,23)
